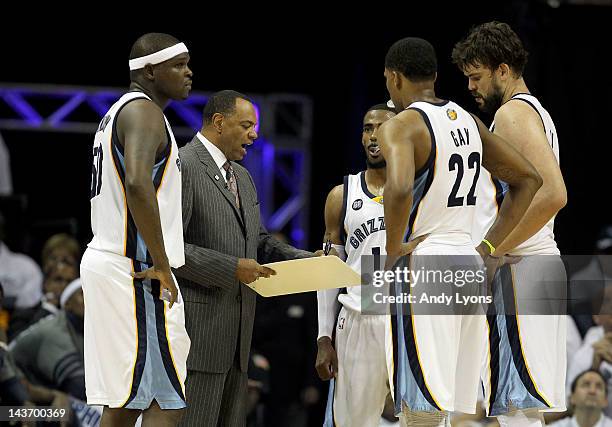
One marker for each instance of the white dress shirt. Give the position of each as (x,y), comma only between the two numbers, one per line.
(216,154)
(583,360)
(21,278)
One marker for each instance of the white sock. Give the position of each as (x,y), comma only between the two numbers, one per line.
(521,418)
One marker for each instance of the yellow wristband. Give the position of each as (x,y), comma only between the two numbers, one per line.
(491,247)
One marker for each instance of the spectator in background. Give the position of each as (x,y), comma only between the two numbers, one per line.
(596,350)
(20,276)
(56,279)
(61,251)
(12,391)
(590,281)
(50,352)
(588,399)
(60,259)
(6,181)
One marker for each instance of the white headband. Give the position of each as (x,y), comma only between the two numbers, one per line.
(159,56)
(69,290)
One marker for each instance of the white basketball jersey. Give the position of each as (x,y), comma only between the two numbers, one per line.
(112,224)
(444,198)
(363,229)
(491,192)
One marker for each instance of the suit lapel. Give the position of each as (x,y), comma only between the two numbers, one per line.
(215,175)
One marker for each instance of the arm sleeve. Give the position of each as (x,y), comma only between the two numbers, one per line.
(328,305)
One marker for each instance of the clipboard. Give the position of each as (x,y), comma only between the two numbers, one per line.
(306,275)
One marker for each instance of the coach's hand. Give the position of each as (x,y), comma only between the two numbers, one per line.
(164,275)
(327,359)
(249,270)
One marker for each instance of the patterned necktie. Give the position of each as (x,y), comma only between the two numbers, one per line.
(231,181)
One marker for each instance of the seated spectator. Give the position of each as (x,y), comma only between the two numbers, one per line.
(57,278)
(596,350)
(590,280)
(61,251)
(60,259)
(588,399)
(12,391)
(50,352)
(20,276)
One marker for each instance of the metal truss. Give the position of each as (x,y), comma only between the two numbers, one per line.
(279,161)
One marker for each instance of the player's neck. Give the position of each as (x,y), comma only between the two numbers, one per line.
(161,101)
(587,417)
(375,180)
(426,94)
(518,86)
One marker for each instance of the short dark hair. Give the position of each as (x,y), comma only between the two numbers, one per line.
(147,44)
(583,373)
(415,58)
(491,44)
(381,106)
(150,43)
(223,102)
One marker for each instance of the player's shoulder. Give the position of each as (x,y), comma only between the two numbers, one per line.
(335,196)
(141,112)
(515,111)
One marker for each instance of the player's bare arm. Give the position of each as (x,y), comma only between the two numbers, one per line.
(506,163)
(520,125)
(397,138)
(141,128)
(327,359)
(333,211)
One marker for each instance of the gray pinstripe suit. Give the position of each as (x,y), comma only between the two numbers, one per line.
(219,311)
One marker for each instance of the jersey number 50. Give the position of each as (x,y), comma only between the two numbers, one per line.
(96,172)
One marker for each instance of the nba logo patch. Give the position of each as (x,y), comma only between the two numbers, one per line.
(357,204)
(452,114)
(178,164)
(341,323)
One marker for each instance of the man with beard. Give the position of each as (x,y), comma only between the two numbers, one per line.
(354,357)
(434,150)
(526,360)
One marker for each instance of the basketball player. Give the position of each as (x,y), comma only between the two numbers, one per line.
(135,343)
(434,151)
(354,357)
(525,367)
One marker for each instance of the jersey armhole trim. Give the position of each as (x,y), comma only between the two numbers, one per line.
(432,149)
(532,106)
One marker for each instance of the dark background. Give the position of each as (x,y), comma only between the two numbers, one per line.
(338,60)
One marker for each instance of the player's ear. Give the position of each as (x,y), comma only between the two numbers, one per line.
(148,73)
(504,71)
(397,80)
(217,121)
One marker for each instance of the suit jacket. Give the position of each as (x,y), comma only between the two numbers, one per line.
(219,310)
